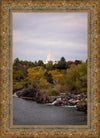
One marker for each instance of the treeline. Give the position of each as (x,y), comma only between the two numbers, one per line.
(51,79)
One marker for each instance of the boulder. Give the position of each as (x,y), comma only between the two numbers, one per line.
(27,93)
(51,98)
(73,101)
(82,106)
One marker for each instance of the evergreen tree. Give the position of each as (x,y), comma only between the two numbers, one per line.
(62,63)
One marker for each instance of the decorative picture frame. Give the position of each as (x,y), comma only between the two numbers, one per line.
(7,127)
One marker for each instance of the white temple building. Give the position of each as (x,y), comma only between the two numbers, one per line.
(50,57)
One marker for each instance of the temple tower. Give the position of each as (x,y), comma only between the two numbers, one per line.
(49,57)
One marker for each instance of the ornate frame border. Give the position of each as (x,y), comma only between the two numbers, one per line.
(7,128)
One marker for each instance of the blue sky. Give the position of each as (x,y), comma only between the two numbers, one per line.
(33,33)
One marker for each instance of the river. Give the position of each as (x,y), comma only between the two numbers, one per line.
(27,112)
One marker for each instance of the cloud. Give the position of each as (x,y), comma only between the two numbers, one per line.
(36,20)
(34,32)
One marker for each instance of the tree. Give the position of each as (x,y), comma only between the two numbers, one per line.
(42,83)
(50,63)
(40,63)
(48,77)
(75,78)
(49,66)
(69,64)
(78,62)
(35,63)
(35,74)
(56,75)
(62,63)
(16,61)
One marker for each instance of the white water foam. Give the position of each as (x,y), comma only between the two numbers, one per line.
(15,95)
(69,106)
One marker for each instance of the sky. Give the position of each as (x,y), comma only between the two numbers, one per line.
(34,33)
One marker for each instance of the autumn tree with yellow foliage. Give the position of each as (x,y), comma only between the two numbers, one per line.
(49,79)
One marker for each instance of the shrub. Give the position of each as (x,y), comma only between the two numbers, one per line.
(55,92)
(83,90)
(52,92)
(18,86)
(63,89)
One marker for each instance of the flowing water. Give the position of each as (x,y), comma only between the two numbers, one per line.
(27,112)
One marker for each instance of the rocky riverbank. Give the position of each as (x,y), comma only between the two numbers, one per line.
(70,99)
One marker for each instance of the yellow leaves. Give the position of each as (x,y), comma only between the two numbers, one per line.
(55,74)
(82,69)
(18,85)
(35,74)
(42,83)
(81,73)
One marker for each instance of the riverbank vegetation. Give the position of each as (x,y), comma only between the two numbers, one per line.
(51,79)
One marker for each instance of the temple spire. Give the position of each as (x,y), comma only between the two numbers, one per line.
(49,57)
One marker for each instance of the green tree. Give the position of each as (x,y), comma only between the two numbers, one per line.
(69,63)
(48,77)
(49,66)
(77,62)
(16,61)
(62,63)
(40,63)
(56,75)
(75,78)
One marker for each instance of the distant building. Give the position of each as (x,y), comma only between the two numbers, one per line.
(50,57)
